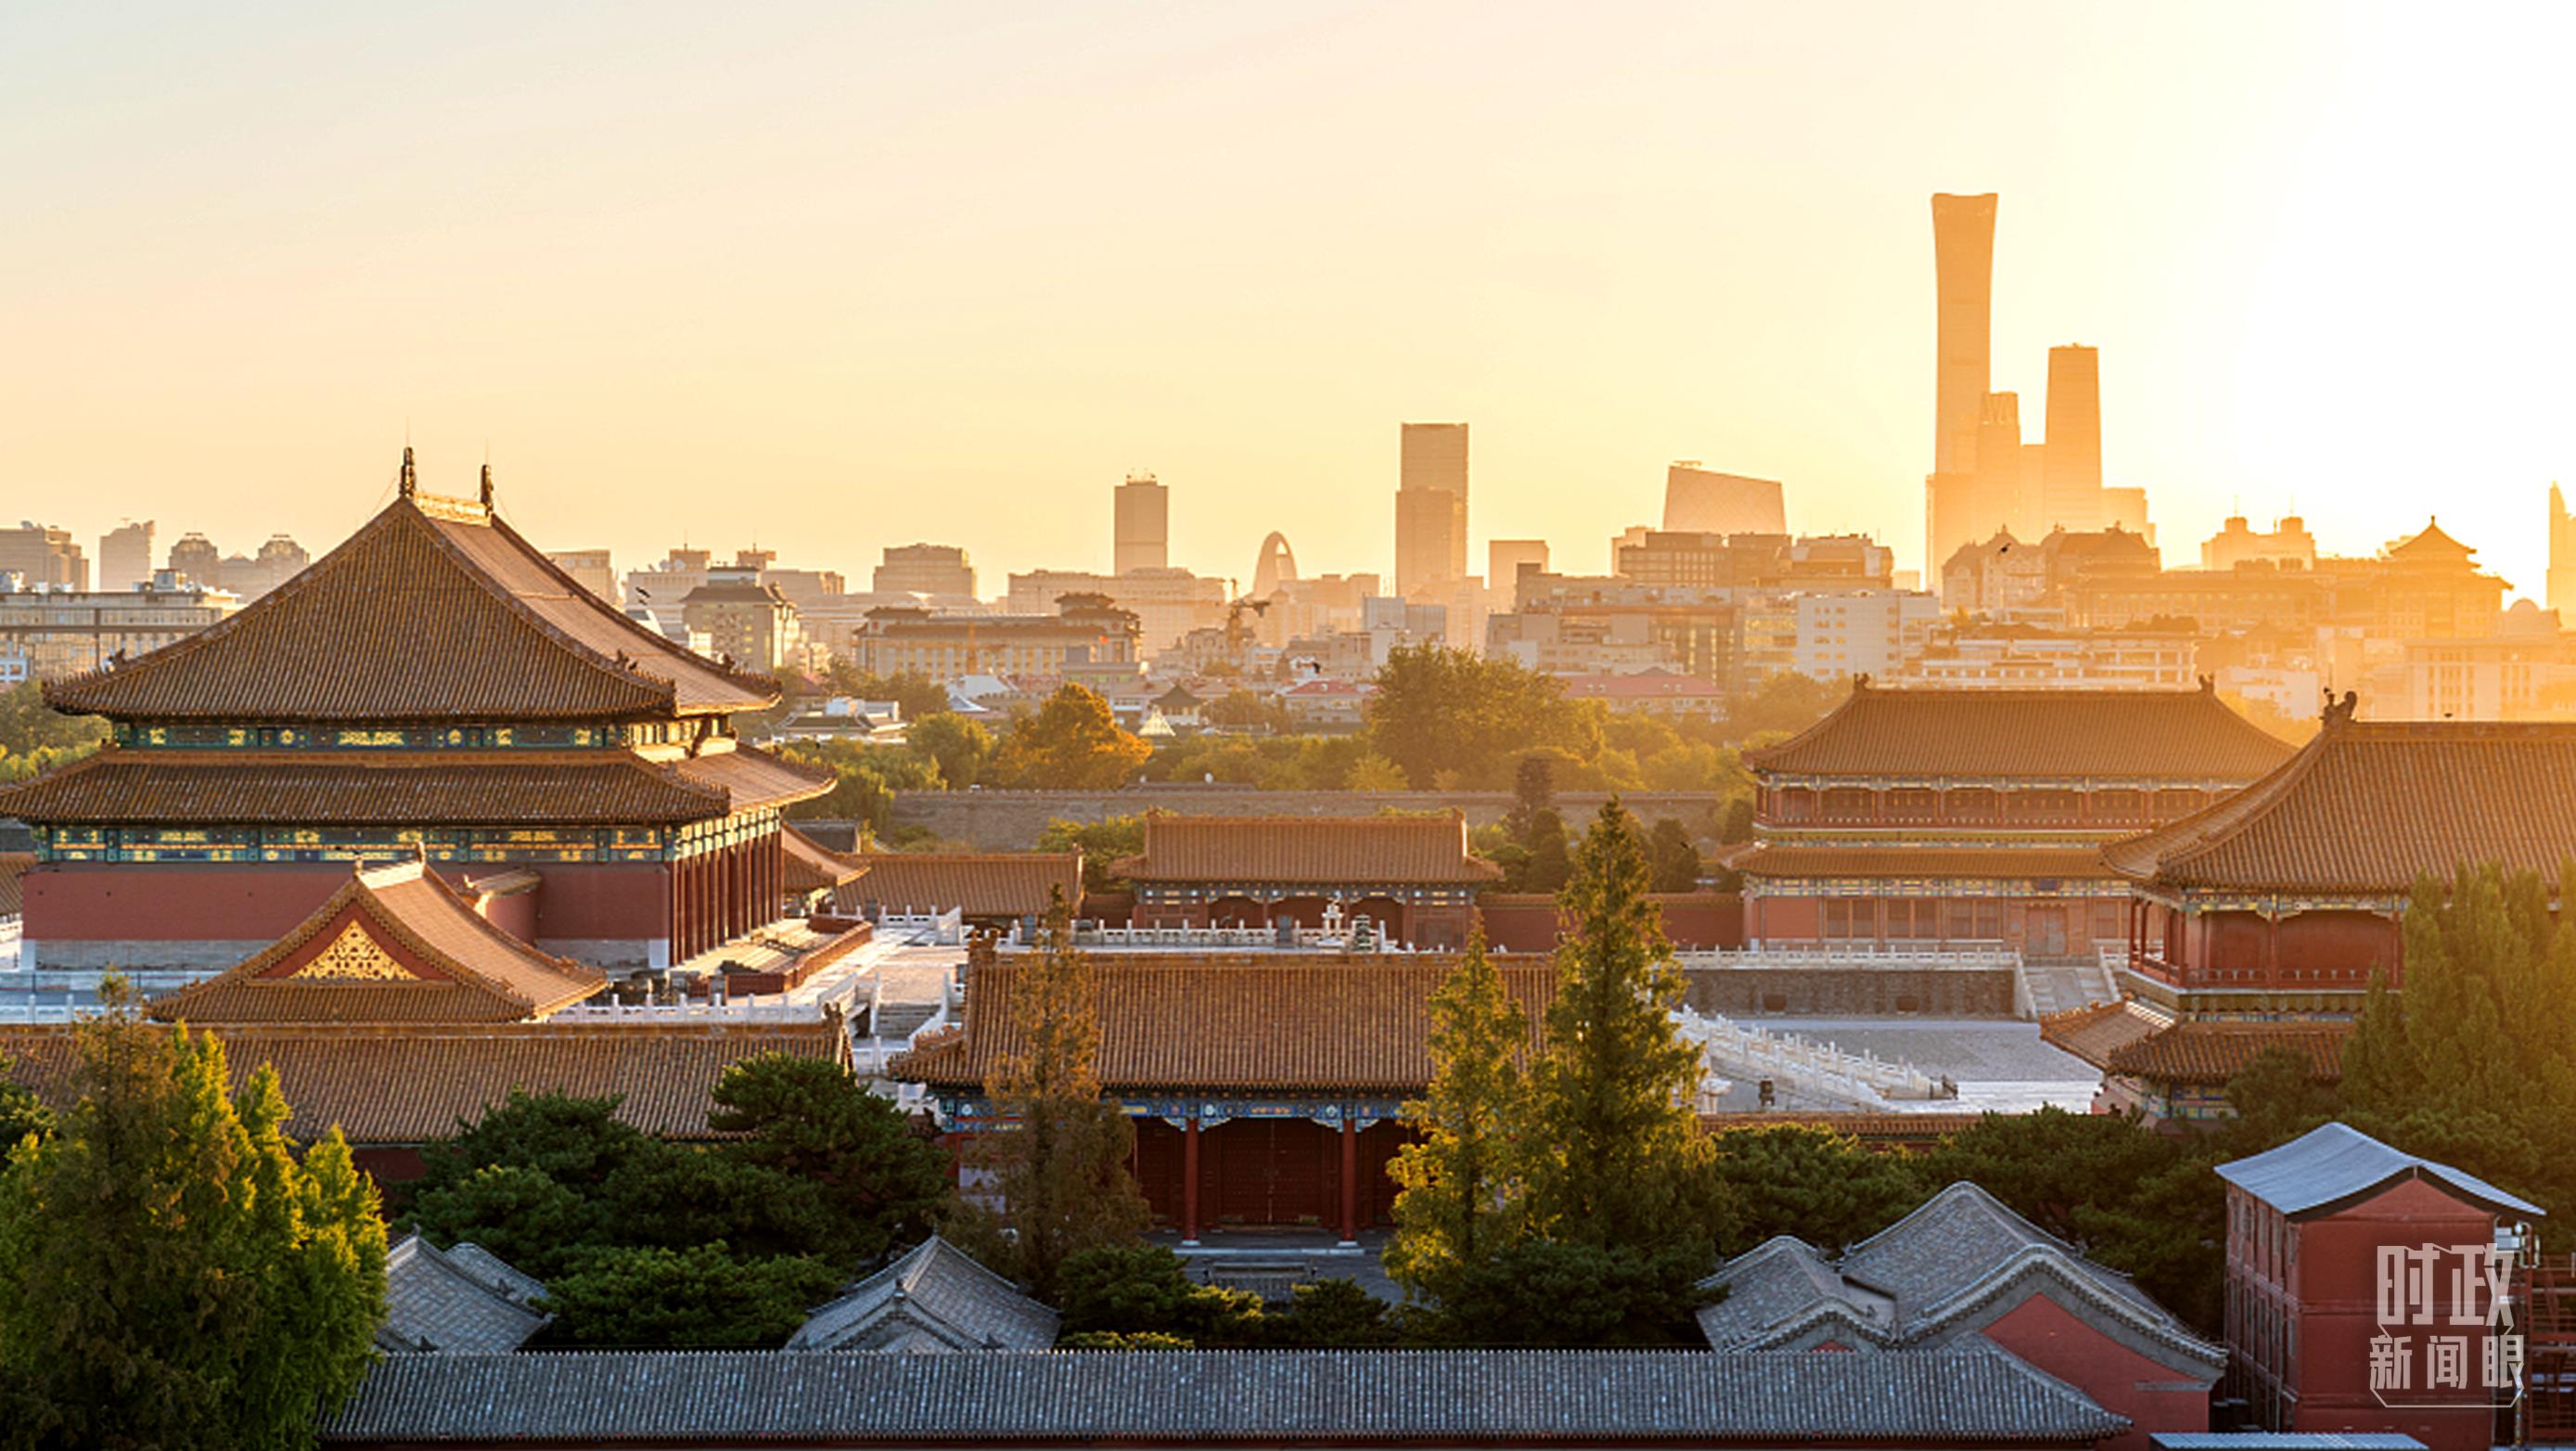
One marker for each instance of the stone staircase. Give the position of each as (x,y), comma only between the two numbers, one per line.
(2063,987)
(897,1021)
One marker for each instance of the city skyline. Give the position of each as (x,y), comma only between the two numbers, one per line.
(485,264)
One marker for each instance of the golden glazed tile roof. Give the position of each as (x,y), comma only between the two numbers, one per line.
(1308,850)
(393,945)
(979,884)
(2209,1052)
(409,1085)
(812,866)
(2367,806)
(1309,1026)
(2176,735)
(313,788)
(2094,1033)
(432,611)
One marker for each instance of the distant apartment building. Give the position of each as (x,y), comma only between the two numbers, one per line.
(52,633)
(804,588)
(1141,532)
(1870,632)
(2237,542)
(1696,560)
(1313,606)
(42,555)
(593,571)
(1431,507)
(2525,670)
(196,559)
(744,619)
(1703,501)
(1665,693)
(1577,625)
(661,588)
(125,557)
(940,571)
(1167,603)
(2029,657)
(1085,635)
(2426,586)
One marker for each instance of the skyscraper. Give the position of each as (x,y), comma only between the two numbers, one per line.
(1503,561)
(1143,526)
(1963,255)
(2072,497)
(1704,501)
(2562,553)
(125,557)
(2002,493)
(1431,508)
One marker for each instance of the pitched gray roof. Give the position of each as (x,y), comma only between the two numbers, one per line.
(1974,1394)
(463,1301)
(2333,1164)
(936,1297)
(1932,1279)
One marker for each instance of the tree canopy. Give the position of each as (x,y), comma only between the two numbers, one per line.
(1441,713)
(1071,743)
(172,1272)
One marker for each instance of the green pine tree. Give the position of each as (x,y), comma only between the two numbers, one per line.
(1615,1155)
(1061,1173)
(170,1274)
(1459,1197)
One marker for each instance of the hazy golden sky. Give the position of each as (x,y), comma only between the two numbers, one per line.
(839,276)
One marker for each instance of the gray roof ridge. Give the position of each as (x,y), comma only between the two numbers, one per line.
(2075,1273)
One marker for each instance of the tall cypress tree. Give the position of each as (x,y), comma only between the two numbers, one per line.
(1615,1156)
(1061,1172)
(1460,1195)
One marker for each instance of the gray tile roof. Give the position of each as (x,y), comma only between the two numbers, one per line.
(464,1301)
(1933,1279)
(2334,1164)
(936,1297)
(1971,1395)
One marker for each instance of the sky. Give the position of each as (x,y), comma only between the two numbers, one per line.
(833,277)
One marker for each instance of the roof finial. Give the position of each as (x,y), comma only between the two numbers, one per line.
(487,486)
(410,477)
(2339,712)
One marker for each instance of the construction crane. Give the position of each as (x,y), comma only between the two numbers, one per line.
(1238,635)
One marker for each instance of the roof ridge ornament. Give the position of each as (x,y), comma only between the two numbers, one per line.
(409,487)
(487,488)
(2339,712)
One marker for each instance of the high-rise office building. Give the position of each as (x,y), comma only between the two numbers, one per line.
(1704,501)
(2562,553)
(1963,254)
(125,557)
(195,558)
(2002,495)
(1504,560)
(2072,497)
(1431,508)
(930,569)
(40,555)
(1143,528)
(1277,566)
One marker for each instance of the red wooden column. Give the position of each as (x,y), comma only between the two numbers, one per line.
(1190,1180)
(1350,1177)
(2271,949)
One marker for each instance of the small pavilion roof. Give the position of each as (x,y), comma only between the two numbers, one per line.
(935,1297)
(460,1301)
(2335,1165)
(1317,1025)
(2367,806)
(1308,850)
(392,945)
(2179,735)
(435,610)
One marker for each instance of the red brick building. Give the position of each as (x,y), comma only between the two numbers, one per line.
(2359,1290)
(434,685)
(1411,876)
(1948,818)
(1265,1088)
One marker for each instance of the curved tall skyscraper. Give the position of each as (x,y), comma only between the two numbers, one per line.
(1963,254)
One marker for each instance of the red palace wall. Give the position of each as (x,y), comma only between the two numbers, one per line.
(104,902)
(2329,949)
(1694,921)
(2150,1393)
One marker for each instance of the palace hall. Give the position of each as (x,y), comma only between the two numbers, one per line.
(433,688)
